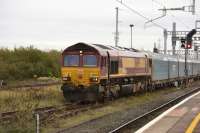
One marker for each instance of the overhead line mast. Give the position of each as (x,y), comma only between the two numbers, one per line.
(117,25)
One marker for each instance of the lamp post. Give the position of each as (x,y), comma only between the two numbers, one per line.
(131,26)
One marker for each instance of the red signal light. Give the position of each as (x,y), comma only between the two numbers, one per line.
(189,46)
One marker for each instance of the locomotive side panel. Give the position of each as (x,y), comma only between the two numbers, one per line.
(134,66)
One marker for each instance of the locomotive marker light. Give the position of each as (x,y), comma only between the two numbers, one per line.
(94,79)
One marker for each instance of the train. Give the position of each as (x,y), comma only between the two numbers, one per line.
(92,72)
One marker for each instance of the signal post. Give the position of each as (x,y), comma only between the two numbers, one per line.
(187,44)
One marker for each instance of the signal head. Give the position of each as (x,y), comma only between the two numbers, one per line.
(189,46)
(182,45)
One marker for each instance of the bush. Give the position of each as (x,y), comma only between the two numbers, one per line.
(23,63)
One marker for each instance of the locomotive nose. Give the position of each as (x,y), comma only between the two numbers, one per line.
(80,76)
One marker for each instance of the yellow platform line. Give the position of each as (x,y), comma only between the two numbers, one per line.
(194,123)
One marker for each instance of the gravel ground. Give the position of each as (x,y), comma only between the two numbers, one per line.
(111,121)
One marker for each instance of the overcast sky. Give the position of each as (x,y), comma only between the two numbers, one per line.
(56,24)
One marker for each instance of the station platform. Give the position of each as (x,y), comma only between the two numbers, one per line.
(181,118)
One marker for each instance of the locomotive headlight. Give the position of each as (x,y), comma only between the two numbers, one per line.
(67,77)
(94,79)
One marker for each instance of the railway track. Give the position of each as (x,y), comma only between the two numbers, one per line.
(138,122)
(31,86)
(51,112)
(67,110)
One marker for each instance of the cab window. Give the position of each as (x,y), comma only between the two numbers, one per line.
(89,61)
(71,60)
(114,66)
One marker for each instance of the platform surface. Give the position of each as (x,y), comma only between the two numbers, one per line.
(182,118)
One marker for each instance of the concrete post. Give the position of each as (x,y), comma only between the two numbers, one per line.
(174,38)
(165,41)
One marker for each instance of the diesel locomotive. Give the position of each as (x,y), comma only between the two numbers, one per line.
(93,72)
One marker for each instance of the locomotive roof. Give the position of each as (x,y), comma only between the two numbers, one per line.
(113,51)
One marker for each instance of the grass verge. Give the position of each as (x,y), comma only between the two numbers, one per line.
(26,100)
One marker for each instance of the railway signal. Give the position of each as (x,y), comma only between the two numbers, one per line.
(187,43)
(189,38)
(188,46)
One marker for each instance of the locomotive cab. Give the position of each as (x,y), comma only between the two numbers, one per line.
(80,65)
(80,71)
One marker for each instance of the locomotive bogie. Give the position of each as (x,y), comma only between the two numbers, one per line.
(74,93)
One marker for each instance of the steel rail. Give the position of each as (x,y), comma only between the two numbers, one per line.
(41,110)
(62,111)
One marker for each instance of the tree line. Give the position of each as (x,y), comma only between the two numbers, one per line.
(28,62)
